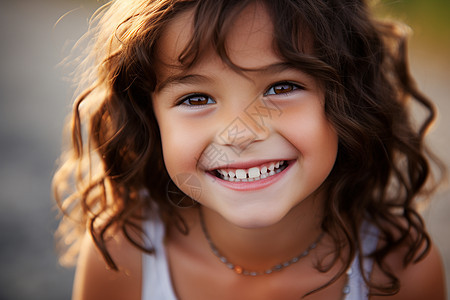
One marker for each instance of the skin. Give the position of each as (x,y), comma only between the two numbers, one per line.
(254,228)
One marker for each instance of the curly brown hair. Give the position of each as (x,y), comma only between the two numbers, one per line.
(113,168)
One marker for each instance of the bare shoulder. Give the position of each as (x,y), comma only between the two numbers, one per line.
(421,280)
(95,280)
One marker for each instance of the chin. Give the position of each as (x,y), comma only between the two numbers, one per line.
(254,218)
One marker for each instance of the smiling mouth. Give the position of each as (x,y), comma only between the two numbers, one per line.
(251,174)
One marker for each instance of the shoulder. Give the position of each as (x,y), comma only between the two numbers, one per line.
(420,280)
(95,280)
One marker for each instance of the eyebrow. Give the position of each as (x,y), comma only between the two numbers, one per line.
(197,78)
(182,79)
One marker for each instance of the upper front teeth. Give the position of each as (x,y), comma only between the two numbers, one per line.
(253,173)
(240,174)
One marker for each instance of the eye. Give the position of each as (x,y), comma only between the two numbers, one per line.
(196,100)
(282,88)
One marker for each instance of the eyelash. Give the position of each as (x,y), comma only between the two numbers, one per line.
(271,91)
(187,98)
(291,85)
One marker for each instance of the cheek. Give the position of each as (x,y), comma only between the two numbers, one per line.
(313,136)
(181,145)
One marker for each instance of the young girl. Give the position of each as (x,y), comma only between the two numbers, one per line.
(247,149)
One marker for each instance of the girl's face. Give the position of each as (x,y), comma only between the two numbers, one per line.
(249,146)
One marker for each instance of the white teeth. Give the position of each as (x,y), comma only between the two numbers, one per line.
(253,172)
(241,174)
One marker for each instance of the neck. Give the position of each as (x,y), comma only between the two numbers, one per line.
(262,248)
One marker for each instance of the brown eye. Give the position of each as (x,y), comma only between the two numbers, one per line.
(197,100)
(282,88)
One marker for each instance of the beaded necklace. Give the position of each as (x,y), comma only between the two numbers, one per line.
(241,270)
(276,268)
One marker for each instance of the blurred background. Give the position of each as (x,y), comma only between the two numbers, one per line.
(35,97)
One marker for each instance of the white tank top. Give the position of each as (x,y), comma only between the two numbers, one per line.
(157,284)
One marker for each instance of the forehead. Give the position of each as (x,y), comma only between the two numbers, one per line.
(250,33)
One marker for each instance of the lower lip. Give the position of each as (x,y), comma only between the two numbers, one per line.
(253,185)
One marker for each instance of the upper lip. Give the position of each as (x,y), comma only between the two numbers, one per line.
(248,164)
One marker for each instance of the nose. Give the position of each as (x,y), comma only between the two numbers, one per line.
(249,126)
